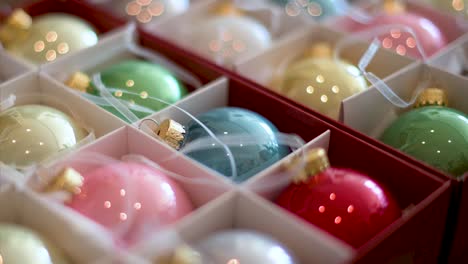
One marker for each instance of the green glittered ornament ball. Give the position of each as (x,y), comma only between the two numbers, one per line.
(433,133)
(134,83)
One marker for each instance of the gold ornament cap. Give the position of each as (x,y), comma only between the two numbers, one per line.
(228,9)
(316,161)
(182,255)
(394,7)
(319,50)
(16,25)
(68,180)
(172,133)
(79,81)
(432,96)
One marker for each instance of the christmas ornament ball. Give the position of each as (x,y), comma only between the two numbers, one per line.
(21,245)
(427,34)
(225,39)
(318,9)
(232,121)
(32,133)
(46,37)
(245,246)
(433,133)
(134,83)
(321,82)
(128,198)
(147,11)
(345,203)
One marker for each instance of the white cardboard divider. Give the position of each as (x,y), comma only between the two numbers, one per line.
(244,210)
(262,68)
(371,113)
(79,241)
(453,59)
(11,67)
(171,28)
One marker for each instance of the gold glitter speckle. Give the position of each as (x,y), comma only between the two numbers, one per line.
(144,95)
(320,78)
(63,48)
(39,46)
(118,93)
(51,36)
(310,89)
(324,98)
(130,83)
(51,55)
(337,220)
(335,89)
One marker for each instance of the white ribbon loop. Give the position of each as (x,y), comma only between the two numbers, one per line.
(8,102)
(369,55)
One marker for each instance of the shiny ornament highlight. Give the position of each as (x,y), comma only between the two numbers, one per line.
(146,11)
(250,159)
(318,9)
(455,7)
(321,82)
(229,35)
(21,245)
(134,83)
(44,38)
(345,203)
(430,37)
(242,246)
(433,133)
(129,199)
(30,134)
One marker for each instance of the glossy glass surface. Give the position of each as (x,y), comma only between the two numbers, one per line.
(147,11)
(242,246)
(135,81)
(322,84)
(430,38)
(32,133)
(53,35)
(131,200)
(318,9)
(250,158)
(21,245)
(455,7)
(225,39)
(344,203)
(434,134)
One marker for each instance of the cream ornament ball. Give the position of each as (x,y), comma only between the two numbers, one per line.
(228,35)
